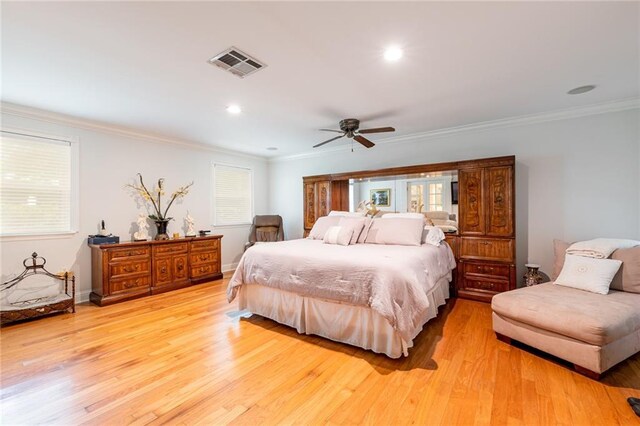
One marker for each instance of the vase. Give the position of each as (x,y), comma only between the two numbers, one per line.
(532,276)
(161,226)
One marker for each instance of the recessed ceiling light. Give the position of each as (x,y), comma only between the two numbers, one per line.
(234,109)
(393,53)
(272,148)
(582,89)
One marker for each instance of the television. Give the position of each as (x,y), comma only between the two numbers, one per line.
(454,192)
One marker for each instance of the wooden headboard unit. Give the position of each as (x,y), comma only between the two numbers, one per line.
(485,245)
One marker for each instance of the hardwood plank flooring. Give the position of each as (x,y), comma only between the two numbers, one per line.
(177,358)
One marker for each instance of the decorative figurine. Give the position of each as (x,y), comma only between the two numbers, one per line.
(190,222)
(532,276)
(143,226)
(102,231)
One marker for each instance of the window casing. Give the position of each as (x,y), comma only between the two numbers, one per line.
(38,184)
(232,195)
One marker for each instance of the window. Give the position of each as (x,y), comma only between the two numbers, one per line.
(37,180)
(436,196)
(416,200)
(232,195)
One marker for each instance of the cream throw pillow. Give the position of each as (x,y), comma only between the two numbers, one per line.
(340,235)
(587,273)
(357,223)
(322,225)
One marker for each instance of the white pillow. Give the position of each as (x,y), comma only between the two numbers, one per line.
(322,224)
(403,215)
(357,223)
(365,230)
(347,214)
(432,235)
(340,235)
(400,231)
(587,273)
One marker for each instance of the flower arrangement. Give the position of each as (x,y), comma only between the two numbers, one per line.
(154,198)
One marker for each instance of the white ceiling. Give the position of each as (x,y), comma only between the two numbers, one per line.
(144,64)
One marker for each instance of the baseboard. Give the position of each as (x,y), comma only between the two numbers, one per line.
(230,267)
(82,296)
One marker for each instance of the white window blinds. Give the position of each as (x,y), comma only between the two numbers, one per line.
(35,185)
(233,197)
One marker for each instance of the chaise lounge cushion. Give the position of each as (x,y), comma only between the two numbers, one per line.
(588,317)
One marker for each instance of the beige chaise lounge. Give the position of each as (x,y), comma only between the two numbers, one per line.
(593,331)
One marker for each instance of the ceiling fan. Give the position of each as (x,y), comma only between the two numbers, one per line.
(349,128)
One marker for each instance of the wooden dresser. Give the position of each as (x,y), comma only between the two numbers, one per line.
(487,251)
(129,270)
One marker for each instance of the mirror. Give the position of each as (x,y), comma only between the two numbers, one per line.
(434,194)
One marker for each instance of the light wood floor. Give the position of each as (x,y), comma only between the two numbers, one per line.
(178,358)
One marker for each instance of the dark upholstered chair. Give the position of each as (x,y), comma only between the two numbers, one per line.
(265,228)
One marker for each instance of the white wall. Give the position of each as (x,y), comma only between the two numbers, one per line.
(575,178)
(107,162)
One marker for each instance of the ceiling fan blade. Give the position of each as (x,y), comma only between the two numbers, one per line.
(332,139)
(378,130)
(364,141)
(331,130)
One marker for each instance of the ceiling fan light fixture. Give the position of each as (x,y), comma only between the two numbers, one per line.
(393,54)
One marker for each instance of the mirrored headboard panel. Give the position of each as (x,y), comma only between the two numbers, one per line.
(418,192)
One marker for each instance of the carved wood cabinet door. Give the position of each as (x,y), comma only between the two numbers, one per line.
(162,270)
(471,191)
(309,205)
(499,193)
(323,204)
(180,267)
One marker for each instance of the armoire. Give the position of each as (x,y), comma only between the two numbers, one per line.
(485,244)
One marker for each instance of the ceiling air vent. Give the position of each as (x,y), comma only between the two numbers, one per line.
(237,62)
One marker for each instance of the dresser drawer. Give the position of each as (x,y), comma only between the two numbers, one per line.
(123,254)
(487,248)
(130,267)
(203,270)
(129,284)
(494,270)
(198,258)
(170,248)
(205,245)
(486,285)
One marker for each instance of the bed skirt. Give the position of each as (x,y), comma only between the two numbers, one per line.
(355,325)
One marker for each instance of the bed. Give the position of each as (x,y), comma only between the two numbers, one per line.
(374,296)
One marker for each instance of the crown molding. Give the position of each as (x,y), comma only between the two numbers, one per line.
(521,120)
(86,124)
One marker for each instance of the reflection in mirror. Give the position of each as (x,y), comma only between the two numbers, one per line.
(433,194)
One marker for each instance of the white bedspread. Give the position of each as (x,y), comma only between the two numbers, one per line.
(391,280)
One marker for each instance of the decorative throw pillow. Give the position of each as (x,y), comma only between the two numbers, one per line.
(322,225)
(559,250)
(432,235)
(340,235)
(628,277)
(400,231)
(365,230)
(587,273)
(357,223)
